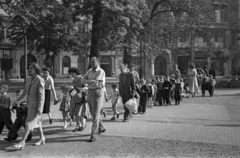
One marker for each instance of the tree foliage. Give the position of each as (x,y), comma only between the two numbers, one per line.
(167,19)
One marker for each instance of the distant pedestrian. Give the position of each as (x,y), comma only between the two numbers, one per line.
(95,78)
(150,94)
(145,89)
(212,83)
(176,72)
(126,89)
(177,89)
(5,113)
(205,84)
(114,99)
(205,69)
(135,73)
(192,80)
(160,91)
(167,85)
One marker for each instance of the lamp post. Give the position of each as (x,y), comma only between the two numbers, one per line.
(25,52)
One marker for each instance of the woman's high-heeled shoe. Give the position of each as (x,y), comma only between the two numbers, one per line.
(40,142)
(19,146)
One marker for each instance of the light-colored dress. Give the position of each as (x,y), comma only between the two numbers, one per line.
(114,96)
(35,93)
(192,80)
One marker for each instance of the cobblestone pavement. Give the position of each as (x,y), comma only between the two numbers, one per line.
(199,127)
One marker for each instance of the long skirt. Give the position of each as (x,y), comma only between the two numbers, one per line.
(46,108)
(193,85)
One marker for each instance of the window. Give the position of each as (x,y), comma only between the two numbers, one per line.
(5,53)
(200,37)
(66,64)
(184,36)
(218,37)
(218,16)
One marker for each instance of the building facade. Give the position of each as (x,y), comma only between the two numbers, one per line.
(224,33)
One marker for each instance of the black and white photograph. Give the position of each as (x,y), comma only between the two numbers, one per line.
(119,78)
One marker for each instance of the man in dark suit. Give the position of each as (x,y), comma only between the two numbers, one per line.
(126,88)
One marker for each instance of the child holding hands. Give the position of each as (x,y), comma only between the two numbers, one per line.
(114,99)
(65,105)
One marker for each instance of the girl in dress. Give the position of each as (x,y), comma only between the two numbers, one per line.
(65,106)
(114,98)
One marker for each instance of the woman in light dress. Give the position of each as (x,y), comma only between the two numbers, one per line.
(34,91)
(192,80)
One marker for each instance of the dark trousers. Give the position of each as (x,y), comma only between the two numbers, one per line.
(211,90)
(166,96)
(204,88)
(126,111)
(177,96)
(5,119)
(18,123)
(160,97)
(143,103)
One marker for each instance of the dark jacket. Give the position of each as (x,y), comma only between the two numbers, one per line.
(126,86)
(167,85)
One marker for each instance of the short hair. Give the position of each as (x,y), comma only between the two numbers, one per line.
(36,67)
(114,85)
(46,69)
(74,70)
(123,66)
(132,65)
(18,91)
(197,66)
(5,87)
(210,75)
(95,59)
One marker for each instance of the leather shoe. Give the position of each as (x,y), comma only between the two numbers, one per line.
(15,137)
(8,139)
(102,131)
(125,121)
(92,139)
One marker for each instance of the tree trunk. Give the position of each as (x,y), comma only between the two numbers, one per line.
(96,29)
(127,58)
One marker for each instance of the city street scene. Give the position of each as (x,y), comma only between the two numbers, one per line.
(119,78)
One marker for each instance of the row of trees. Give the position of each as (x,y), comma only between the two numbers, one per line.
(51,25)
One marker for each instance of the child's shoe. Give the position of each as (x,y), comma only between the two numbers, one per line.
(113,118)
(104,114)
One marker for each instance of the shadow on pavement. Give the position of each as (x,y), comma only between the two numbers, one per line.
(225,125)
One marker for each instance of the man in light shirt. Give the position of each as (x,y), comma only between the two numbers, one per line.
(95,78)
